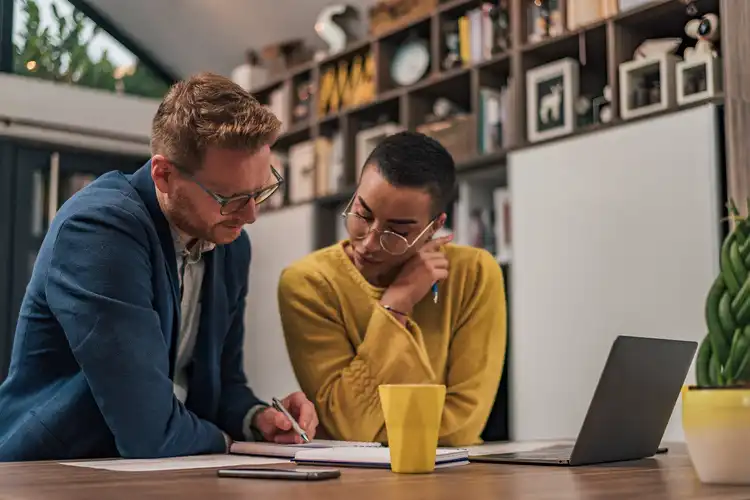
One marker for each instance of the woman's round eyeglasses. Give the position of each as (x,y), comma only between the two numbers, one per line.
(359,227)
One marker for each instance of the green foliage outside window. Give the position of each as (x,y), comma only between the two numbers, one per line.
(59,53)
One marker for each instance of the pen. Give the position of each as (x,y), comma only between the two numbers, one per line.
(299,430)
(434,292)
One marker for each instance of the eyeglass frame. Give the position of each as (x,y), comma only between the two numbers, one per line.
(225,200)
(346,213)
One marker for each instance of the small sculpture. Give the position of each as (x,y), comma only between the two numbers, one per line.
(336,26)
(453,46)
(584,111)
(603,106)
(302,108)
(706,31)
(656,46)
(549,106)
(500,18)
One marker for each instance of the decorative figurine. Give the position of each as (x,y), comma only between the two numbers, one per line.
(654,93)
(499,15)
(336,26)
(452,44)
(302,108)
(583,108)
(706,31)
(602,106)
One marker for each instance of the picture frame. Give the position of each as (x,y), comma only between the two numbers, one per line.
(698,79)
(368,138)
(551,91)
(301,165)
(647,85)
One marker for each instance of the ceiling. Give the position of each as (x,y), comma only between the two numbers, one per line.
(187,36)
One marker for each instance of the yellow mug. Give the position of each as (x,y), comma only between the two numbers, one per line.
(412,420)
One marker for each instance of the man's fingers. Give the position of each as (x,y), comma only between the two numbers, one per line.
(307,415)
(281,421)
(287,438)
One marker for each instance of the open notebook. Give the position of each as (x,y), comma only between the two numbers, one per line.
(290,450)
(379,457)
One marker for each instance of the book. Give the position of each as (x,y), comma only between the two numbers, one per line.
(372,457)
(263,449)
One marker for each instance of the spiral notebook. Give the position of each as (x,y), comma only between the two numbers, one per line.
(373,457)
(290,450)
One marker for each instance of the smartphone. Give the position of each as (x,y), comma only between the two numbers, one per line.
(299,474)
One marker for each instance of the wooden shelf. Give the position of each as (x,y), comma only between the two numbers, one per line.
(600,47)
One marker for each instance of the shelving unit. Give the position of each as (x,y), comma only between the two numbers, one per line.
(600,47)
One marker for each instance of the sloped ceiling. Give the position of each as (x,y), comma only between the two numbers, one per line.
(187,36)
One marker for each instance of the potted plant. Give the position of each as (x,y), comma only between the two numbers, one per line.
(716,411)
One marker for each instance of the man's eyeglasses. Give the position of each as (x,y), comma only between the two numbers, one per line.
(232,204)
(394,244)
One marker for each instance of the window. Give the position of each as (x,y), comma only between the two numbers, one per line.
(55,41)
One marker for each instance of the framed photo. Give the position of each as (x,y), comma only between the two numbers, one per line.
(551,91)
(647,85)
(698,78)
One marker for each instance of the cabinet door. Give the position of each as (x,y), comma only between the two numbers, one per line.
(30,219)
(44,180)
(7,170)
(77,169)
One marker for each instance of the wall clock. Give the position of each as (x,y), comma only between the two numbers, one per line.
(411,62)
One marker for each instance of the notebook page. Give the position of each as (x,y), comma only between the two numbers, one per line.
(289,450)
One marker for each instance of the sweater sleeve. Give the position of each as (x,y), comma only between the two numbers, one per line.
(341,381)
(476,356)
(100,290)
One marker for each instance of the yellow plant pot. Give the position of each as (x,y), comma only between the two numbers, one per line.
(716,423)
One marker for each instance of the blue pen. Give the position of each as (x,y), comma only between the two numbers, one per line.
(434,292)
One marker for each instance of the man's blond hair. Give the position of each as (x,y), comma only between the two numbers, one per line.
(209,110)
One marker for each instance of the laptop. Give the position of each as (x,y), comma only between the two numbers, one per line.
(630,410)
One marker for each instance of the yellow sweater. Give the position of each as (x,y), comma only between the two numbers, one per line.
(343,344)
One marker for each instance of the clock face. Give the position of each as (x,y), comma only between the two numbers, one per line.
(410,63)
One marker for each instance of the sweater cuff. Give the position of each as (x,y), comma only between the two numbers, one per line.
(248,430)
(392,351)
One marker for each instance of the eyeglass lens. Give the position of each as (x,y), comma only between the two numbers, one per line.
(392,243)
(237,204)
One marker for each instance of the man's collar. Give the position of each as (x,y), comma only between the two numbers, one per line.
(197,247)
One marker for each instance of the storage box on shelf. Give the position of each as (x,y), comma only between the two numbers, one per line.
(464,71)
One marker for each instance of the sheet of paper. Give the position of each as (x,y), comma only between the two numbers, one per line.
(177,463)
(513,446)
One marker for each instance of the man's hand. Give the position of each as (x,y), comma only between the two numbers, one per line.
(416,278)
(276,428)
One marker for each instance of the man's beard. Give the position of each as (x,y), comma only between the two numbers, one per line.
(181,214)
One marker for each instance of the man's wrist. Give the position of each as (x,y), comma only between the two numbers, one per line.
(227,441)
(250,430)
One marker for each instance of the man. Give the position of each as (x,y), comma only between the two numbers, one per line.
(363,312)
(129,339)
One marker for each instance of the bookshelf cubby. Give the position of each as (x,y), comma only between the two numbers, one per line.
(599,47)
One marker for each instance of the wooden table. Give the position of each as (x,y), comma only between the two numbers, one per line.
(667,476)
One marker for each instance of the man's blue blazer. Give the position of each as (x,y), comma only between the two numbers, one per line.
(91,367)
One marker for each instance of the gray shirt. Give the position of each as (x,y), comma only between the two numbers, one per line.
(190,270)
